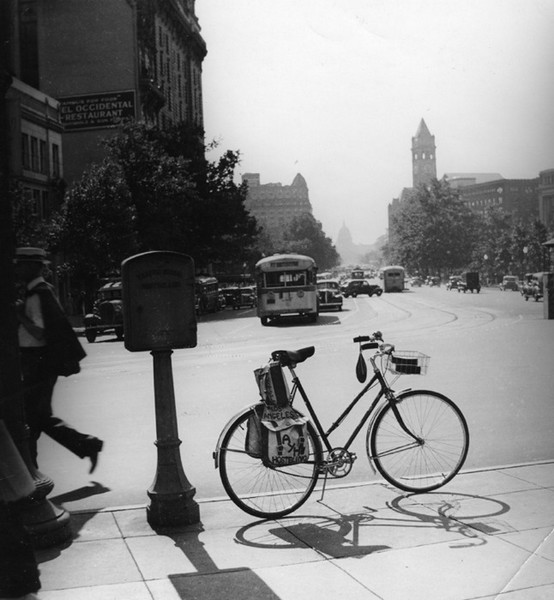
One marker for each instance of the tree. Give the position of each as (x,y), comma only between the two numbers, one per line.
(305,235)
(434,231)
(96,228)
(155,191)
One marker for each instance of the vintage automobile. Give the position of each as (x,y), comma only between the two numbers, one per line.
(509,282)
(107,313)
(454,283)
(329,295)
(237,297)
(355,287)
(533,286)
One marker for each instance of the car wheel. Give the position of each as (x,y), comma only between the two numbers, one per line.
(119,333)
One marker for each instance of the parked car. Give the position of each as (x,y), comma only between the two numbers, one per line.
(509,282)
(453,282)
(533,287)
(416,281)
(329,294)
(107,313)
(237,297)
(355,287)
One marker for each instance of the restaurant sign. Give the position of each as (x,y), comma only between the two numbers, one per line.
(96,111)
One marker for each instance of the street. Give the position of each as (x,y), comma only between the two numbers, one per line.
(490,352)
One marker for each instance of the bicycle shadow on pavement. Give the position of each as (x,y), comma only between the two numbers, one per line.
(467,519)
(336,537)
(468,514)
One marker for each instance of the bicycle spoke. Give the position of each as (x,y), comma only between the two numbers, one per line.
(419,466)
(264,490)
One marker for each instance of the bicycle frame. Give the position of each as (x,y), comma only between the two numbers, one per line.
(384,391)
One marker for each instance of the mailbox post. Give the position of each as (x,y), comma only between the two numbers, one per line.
(159,316)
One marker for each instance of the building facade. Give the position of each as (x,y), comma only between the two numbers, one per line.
(274,205)
(36,150)
(110,60)
(516,197)
(546,197)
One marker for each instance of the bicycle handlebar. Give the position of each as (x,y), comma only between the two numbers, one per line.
(368,342)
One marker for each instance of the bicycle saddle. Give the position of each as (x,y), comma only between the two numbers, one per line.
(292,357)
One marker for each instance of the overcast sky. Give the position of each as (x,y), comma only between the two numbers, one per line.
(335,90)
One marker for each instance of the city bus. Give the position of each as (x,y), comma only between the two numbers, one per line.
(286,285)
(393,278)
(206,292)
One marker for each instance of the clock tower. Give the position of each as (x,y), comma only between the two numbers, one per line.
(424,163)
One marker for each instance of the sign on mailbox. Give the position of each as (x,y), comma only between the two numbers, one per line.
(158,301)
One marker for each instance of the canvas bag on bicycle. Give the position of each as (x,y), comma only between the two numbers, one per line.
(276,432)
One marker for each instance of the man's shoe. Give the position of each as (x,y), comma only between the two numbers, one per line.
(97,448)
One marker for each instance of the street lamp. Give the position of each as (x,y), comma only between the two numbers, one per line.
(485,258)
(525,251)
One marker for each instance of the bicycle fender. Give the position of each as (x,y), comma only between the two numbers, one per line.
(226,429)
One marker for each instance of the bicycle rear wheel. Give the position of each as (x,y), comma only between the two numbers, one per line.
(435,457)
(259,489)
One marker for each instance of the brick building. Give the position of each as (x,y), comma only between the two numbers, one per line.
(274,205)
(108,60)
(516,197)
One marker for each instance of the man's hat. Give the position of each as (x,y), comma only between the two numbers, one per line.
(31,255)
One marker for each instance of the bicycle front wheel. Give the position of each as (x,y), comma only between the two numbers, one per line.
(259,489)
(431,458)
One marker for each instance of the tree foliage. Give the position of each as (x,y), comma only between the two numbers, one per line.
(433,231)
(155,191)
(305,235)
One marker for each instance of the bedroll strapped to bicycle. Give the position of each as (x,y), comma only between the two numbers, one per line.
(276,432)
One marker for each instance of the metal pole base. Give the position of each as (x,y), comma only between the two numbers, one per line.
(172,510)
(47,524)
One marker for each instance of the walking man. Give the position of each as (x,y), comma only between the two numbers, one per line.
(49,347)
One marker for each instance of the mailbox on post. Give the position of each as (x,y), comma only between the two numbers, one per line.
(158,301)
(159,315)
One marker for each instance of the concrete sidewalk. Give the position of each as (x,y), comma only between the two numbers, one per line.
(487,534)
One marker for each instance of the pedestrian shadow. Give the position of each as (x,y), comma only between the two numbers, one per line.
(85,491)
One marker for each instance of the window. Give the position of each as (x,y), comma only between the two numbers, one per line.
(25,151)
(42,157)
(34,154)
(55,160)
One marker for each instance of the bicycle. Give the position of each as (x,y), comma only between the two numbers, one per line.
(416,439)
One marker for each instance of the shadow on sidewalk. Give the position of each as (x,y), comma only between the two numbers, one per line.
(209,581)
(341,536)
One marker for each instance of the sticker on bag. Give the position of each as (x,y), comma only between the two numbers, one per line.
(287,435)
(287,446)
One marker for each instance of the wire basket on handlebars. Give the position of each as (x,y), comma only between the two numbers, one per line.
(407,362)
